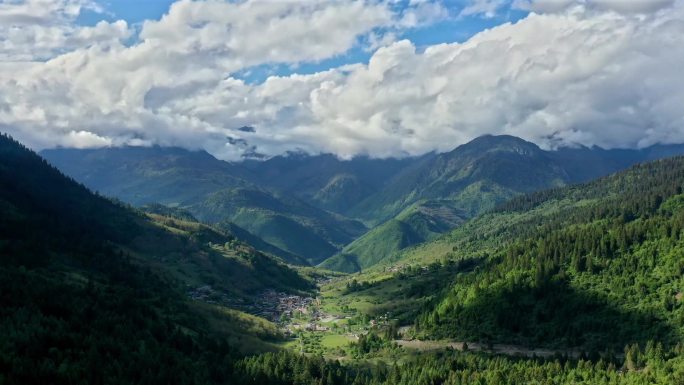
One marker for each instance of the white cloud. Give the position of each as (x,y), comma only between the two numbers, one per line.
(632,6)
(423,13)
(43,12)
(248,33)
(486,8)
(85,139)
(621,6)
(41,29)
(587,75)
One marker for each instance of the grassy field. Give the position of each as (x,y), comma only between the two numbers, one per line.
(332,341)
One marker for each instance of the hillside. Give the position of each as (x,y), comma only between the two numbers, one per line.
(508,162)
(82,275)
(280,220)
(419,223)
(469,180)
(594,266)
(211,190)
(324,180)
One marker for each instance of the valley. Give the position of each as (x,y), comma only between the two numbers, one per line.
(321,326)
(344,215)
(587,275)
(331,192)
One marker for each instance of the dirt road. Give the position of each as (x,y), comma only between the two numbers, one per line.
(512,350)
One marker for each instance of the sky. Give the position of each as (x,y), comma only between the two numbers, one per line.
(384,78)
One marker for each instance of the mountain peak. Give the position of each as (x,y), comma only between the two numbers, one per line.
(499,142)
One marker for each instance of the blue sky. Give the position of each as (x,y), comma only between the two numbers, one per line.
(456,28)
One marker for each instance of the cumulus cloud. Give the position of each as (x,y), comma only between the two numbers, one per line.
(621,6)
(40,29)
(486,8)
(253,32)
(572,74)
(85,139)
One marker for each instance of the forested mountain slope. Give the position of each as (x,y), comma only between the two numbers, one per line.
(436,194)
(325,180)
(211,190)
(595,266)
(418,223)
(91,290)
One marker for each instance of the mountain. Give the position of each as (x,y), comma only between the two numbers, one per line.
(143,175)
(301,205)
(228,228)
(83,278)
(417,224)
(211,190)
(592,266)
(258,243)
(283,221)
(324,180)
(469,180)
(585,163)
(506,163)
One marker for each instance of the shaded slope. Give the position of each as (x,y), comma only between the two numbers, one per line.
(94,292)
(259,243)
(284,222)
(44,212)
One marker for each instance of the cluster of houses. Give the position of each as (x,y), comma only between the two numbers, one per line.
(269,304)
(273,305)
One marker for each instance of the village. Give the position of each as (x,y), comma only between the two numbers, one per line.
(291,312)
(274,306)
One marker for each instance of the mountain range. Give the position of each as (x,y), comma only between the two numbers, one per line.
(346,215)
(213,191)
(580,269)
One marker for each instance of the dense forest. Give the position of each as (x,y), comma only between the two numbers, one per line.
(597,266)
(84,299)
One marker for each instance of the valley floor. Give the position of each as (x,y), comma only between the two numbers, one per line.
(320,325)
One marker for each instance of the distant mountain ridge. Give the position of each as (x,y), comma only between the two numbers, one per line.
(324,180)
(211,190)
(510,162)
(311,205)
